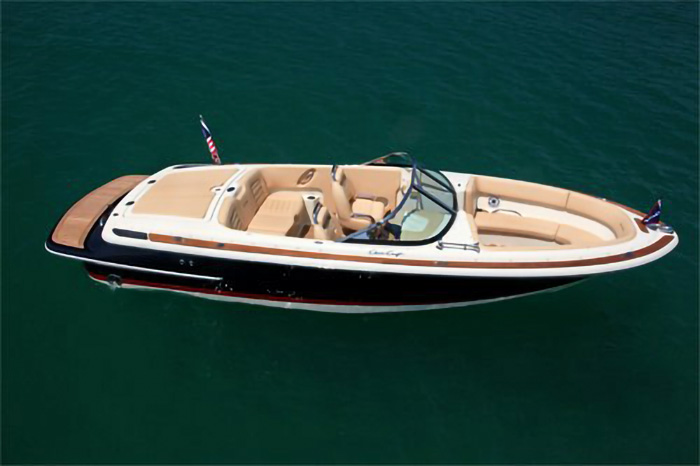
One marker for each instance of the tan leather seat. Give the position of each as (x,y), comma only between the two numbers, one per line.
(324,226)
(238,210)
(513,190)
(364,206)
(600,211)
(355,211)
(507,224)
(574,203)
(282,213)
(252,208)
(569,235)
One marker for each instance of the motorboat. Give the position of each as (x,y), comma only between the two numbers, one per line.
(386,235)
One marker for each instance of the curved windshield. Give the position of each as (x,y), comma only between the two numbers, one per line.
(425,211)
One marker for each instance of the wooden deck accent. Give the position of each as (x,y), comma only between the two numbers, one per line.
(77,222)
(641,225)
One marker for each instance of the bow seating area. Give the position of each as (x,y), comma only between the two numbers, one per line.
(527,214)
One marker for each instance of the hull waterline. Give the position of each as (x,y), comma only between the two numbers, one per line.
(334,290)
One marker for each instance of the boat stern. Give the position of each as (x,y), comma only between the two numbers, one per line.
(71,232)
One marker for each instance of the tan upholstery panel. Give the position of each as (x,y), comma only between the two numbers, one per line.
(598,210)
(282,203)
(324,229)
(258,188)
(185,193)
(382,182)
(354,185)
(238,210)
(567,234)
(246,206)
(287,177)
(225,211)
(473,227)
(470,196)
(272,225)
(343,194)
(521,191)
(574,203)
(516,225)
(374,209)
(282,213)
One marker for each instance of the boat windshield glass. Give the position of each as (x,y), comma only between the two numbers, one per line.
(425,211)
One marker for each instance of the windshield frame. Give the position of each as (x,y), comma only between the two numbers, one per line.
(416,168)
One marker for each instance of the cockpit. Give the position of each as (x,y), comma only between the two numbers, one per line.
(389,199)
(426,207)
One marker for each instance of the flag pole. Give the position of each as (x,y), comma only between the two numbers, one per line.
(213,151)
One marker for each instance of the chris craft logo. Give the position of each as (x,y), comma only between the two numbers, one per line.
(379,252)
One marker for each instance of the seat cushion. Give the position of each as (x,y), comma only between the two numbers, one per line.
(535,228)
(567,234)
(369,207)
(515,225)
(282,203)
(283,213)
(600,211)
(273,225)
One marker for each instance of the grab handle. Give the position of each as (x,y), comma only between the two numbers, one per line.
(464,246)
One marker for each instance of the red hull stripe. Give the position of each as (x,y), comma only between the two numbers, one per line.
(131,281)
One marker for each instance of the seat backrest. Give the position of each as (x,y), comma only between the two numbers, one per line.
(324,225)
(598,210)
(514,190)
(470,196)
(508,224)
(238,210)
(343,193)
(228,215)
(258,188)
(572,202)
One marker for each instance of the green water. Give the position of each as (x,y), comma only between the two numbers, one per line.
(600,98)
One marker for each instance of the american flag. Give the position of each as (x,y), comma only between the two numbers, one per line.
(210,142)
(654,215)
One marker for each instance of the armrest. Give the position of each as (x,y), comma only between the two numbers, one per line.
(370,197)
(365,216)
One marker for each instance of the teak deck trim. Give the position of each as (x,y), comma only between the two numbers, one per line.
(666,239)
(641,225)
(75,225)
